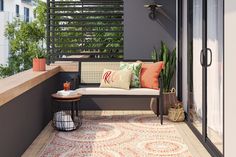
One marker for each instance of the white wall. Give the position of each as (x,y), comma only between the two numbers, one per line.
(7,16)
(230,77)
(10,6)
(3,40)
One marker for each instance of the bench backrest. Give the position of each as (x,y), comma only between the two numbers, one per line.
(90,73)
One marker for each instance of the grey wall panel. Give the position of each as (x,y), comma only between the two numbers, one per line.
(23,118)
(141,34)
(111,103)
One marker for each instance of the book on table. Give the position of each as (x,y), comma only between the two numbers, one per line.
(66,92)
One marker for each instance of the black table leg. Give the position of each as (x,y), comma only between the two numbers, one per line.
(72,110)
(76,108)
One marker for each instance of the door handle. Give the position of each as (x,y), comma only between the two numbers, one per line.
(201,57)
(208,49)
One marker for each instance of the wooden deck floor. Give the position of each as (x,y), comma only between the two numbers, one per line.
(195,147)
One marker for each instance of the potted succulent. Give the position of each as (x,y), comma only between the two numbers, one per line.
(169,59)
(39,58)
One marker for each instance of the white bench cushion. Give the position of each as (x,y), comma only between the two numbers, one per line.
(116,91)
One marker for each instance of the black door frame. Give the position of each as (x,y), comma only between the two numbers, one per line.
(202,137)
(179,47)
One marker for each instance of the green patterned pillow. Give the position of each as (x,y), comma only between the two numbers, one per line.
(136,69)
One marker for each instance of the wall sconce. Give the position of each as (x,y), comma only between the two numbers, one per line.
(153,8)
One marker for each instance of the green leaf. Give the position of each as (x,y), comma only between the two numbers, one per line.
(169,59)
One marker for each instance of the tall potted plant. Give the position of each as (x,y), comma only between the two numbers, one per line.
(39,58)
(169,59)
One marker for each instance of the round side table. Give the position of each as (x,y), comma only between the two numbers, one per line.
(65,112)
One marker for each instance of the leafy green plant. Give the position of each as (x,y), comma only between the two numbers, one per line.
(169,59)
(154,54)
(26,40)
(39,52)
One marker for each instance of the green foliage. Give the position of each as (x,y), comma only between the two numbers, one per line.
(169,59)
(38,51)
(26,41)
(154,54)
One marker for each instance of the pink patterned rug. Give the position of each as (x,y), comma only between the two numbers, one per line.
(118,136)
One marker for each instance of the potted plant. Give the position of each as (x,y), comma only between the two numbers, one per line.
(39,58)
(169,59)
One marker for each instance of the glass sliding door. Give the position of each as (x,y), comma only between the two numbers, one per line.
(195,68)
(205,72)
(215,73)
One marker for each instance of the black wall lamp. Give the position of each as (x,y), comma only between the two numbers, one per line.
(153,8)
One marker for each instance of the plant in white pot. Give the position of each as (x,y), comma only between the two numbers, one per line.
(169,59)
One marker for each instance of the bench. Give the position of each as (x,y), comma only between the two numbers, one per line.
(89,77)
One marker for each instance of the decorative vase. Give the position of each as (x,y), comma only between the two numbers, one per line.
(39,64)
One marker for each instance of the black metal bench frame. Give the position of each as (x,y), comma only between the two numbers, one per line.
(158,97)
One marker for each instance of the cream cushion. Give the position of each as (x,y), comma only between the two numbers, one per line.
(116,79)
(116,91)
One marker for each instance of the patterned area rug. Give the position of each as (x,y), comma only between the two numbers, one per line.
(118,136)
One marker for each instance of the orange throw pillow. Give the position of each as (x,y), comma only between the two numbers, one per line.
(150,73)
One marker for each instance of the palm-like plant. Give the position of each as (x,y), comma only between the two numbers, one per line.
(169,59)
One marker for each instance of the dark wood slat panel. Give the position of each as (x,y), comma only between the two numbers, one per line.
(90,59)
(89,37)
(74,42)
(89,20)
(85,53)
(78,21)
(87,14)
(117,8)
(86,48)
(88,31)
(88,2)
(74,25)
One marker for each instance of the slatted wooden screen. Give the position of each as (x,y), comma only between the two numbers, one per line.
(92,28)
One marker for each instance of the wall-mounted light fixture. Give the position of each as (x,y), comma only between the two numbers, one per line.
(153,8)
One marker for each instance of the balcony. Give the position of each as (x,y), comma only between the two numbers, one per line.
(116,125)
